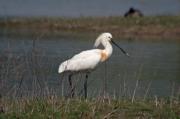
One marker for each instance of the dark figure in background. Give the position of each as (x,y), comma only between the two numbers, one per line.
(133,13)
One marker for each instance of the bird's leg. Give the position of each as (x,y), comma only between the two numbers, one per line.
(71,86)
(85,86)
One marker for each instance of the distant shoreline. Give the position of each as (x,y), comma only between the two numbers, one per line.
(157,27)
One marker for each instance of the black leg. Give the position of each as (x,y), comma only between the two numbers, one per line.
(71,86)
(85,86)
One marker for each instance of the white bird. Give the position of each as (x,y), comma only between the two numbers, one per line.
(87,60)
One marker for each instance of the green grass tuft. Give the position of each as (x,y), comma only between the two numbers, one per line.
(88,109)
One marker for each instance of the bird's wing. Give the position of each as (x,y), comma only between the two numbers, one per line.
(86,53)
(85,60)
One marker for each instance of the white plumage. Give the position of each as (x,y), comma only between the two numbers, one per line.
(89,59)
(85,60)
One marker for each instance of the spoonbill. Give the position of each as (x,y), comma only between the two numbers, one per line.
(87,60)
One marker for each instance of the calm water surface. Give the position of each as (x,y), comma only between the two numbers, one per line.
(76,8)
(154,66)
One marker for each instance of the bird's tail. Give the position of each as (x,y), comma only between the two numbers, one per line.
(63,67)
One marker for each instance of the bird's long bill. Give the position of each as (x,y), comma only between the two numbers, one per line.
(120,48)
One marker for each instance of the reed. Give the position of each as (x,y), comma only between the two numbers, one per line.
(53,107)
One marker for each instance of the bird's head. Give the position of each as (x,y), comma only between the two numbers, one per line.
(103,37)
(107,37)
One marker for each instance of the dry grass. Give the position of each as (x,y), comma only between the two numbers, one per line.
(55,108)
(159,27)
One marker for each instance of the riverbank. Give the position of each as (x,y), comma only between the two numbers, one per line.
(157,27)
(54,108)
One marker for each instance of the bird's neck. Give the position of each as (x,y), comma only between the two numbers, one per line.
(107,48)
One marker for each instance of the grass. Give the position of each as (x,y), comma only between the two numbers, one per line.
(144,27)
(55,108)
(77,108)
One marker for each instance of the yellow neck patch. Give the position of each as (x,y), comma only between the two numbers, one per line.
(104,56)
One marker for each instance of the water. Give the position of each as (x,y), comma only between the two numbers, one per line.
(76,8)
(154,66)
